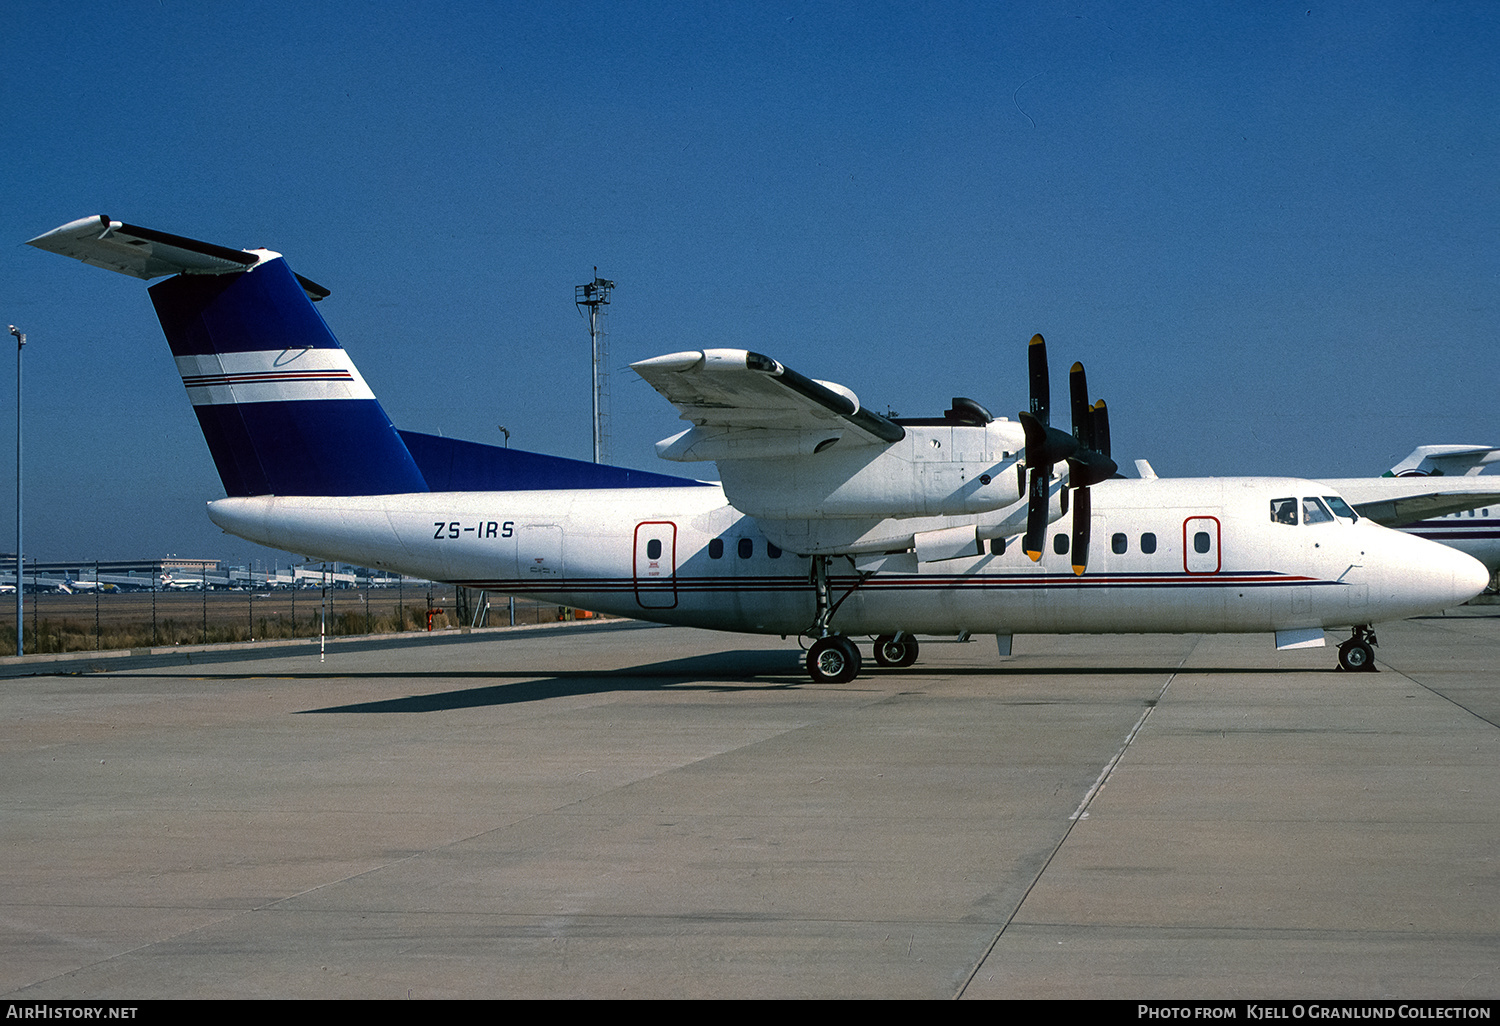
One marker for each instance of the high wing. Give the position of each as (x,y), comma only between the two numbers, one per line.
(822,475)
(747,406)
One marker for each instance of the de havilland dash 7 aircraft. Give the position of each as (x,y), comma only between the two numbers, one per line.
(831,523)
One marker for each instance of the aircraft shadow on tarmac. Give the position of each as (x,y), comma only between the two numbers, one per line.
(751,670)
(745,670)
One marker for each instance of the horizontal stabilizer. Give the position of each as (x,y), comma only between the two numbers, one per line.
(147,253)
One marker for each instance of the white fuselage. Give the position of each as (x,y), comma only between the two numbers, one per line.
(1216,561)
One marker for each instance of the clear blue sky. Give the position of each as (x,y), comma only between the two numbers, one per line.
(1271,231)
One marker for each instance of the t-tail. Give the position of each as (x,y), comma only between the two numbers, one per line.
(282,406)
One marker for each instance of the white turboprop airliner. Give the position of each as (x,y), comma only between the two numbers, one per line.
(832,522)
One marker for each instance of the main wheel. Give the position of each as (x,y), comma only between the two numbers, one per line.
(890,652)
(1356,655)
(833,660)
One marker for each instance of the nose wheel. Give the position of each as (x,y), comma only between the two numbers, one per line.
(1358,653)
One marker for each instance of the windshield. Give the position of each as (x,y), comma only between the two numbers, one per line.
(1314,512)
(1340,508)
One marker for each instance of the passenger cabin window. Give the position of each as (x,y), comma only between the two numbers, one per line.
(1201,542)
(773,551)
(1148,543)
(1118,543)
(653,548)
(716,548)
(747,548)
(997,546)
(1060,544)
(1314,512)
(1284,511)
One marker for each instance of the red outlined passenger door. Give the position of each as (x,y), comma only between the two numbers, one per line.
(1200,545)
(656,564)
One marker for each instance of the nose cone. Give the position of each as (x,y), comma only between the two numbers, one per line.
(1420,576)
(1470,578)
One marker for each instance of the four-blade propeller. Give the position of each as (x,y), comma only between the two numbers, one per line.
(1086,452)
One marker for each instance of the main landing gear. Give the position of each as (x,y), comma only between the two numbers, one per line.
(898,649)
(1358,653)
(833,658)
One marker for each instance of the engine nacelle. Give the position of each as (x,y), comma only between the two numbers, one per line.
(935,470)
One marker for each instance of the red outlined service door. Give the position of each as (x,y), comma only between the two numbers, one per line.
(656,564)
(1200,545)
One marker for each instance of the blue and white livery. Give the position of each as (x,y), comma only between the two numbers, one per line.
(832,521)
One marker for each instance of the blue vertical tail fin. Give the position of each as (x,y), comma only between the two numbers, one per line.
(283,408)
(281,405)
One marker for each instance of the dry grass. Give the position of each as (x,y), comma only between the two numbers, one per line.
(84,623)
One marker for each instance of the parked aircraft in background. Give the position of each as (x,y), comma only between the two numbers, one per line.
(1439,493)
(1445,460)
(72,587)
(831,522)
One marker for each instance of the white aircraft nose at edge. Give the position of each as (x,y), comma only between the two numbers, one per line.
(831,522)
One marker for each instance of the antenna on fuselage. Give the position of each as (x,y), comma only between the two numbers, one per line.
(595,296)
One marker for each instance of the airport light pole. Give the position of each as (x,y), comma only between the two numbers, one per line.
(595,296)
(20,598)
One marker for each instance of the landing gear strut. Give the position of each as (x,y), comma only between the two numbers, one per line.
(1358,653)
(833,658)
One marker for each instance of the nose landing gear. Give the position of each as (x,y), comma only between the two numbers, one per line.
(1358,653)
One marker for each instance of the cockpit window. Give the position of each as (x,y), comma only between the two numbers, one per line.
(1340,507)
(1284,511)
(1314,512)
